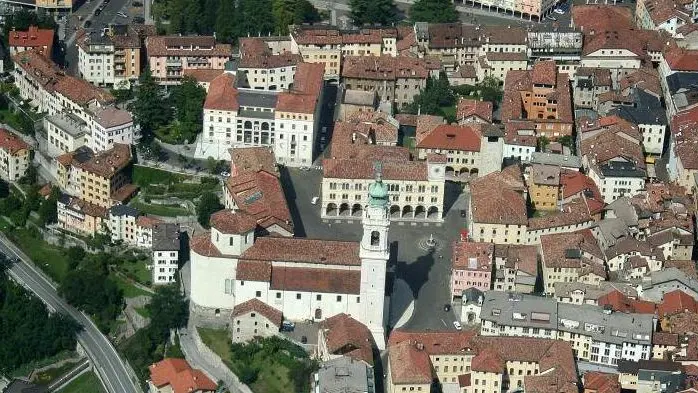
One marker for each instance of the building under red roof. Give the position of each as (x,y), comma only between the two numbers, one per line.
(42,39)
(180,377)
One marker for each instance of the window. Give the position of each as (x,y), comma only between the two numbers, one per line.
(258,294)
(298,296)
(318,298)
(339,298)
(278,295)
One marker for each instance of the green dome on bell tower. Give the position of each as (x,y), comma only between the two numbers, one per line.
(378,191)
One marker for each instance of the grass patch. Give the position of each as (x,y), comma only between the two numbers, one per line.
(27,368)
(267,365)
(18,121)
(136,269)
(143,311)
(49,258)
(86,383)
(129,290)
(449,111)
(50,375)
(159,210)
(144,176)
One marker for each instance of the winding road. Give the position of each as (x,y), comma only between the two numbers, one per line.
(114,373)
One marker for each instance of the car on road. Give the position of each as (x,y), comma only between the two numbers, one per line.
(287,326)
(324,130)
(225,174)
(457,325)
(87,24)
(559,11)
(463,213)
(314,200)
(138,20)
(98,11)
(137,4)
(121,14)
(447,307)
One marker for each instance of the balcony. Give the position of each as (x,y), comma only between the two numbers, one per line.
(173,63)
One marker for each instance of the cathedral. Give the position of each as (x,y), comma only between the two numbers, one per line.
(304,279)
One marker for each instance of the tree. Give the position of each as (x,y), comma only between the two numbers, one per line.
(168,309)
(188,101)
(4,189)
(433,98)
(490,89)
(47,211)
(225,30)
(543,142)
(93,292)
(150,109)
(287,12)
(433,11)
(30,175)
(254,17)
(76,254)
(208,204)
(373,12)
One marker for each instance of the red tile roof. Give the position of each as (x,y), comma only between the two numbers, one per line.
(11,143)
(665,338)
(260,195)
(684,129)
(497,198)
(255,305)
(554,248)
(147,221)
(202,245)
(450,137)
(233,221)
(677,302)
(364,169)
(544,73)
(599,18)
(519,257)
(180,377)
(409,365)
(202,75)
(307,84)
(519,81)
(467,107)
(608,145)
(316,280)
(327,35)
(436,342)
(249,270)
(572,213)
(599,382)
(323,252)
(465,251)
(253,159)
(194,46)
(222,94)
(107,163)
(682,59)
(613,39)
(34,37)
(345,335)
(384,67)
(574,183)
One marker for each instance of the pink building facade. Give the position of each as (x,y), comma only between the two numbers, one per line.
(170,56)
(471,266)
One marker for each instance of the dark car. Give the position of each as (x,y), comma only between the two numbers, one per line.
(463,213)
(447,307)
(98,11)
(304,340)
(87,23)
(138,20)
(137,4)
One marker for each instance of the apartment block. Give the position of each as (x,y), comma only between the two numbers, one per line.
(471,267)
(166,247)
(34,38)
(14,156)
(169,56)
(571,257)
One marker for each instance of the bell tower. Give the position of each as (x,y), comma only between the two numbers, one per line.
(374,253)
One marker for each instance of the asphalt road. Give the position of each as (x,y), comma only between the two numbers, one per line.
(106,360)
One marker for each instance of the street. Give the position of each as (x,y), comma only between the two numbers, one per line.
(110,367)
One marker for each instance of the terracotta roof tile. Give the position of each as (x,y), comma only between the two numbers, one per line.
(598,18)
(202,75)
(599,382)
(677,302)
(450,137)
(345,335)
(614,39)
(11,143)
(544,73)
(82,206)
(329,35)
(435,342)
(260,195)
(82,92)
(233,221)
(645,78)
(555,247)
(573,213)
(108,162)
(252,159)
(364,169)
(519,257)
(202,46)
(324,252)
(519,81)
(316,280)
(497,198)
(687,267)
(222,94)
(202,245)
(409,364)
(147,221)
(466,108)
(664,338)
(480,253)
(255,305)
(520,133)
(608,145)
(384,67)
(34,37)
(180,376)
(307,84)
(250,270)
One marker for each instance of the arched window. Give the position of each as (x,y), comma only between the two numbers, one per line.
(375,237)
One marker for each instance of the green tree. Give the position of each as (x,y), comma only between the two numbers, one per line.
(208,204)
(168,309)
(188,101)
(433,11)
(543,142)
(490,89)
(288,12)
(433,98)
(30,175)
(76,254)
(93,292)
(373,12)
(225,30)
(209,16)
(150,109)
(4,189)
(254,17)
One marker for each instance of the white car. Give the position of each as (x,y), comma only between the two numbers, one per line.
(559,11)
(121,14)
(225,174)
(314,200)
(457,325)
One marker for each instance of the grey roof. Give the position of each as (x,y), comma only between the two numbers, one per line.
(83,154)
(647,109)
(622,169)
(257,99)
(472,295)
(123,210)
(665,276)
(602,325)
(682,81)
(514,309)
(631,367)
(593,292)
(166,237)
(566,161)
(359,97)
(622,209)
(69,123)
(612,230)
(345,375)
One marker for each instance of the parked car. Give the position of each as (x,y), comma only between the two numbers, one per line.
(137,4)
(287,326)
(121,14)
(87,24)
(463,213)
(447,307)
(98,11)
(314,200)
(559,11)
(225,174)
(138,20)
(457,325)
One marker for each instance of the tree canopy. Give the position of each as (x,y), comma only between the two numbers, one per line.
(168,309)
(288,12)
(433,98)
(188,101)
(208,204)
(381,12)
(27,331)
(150,109)
(433,11)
